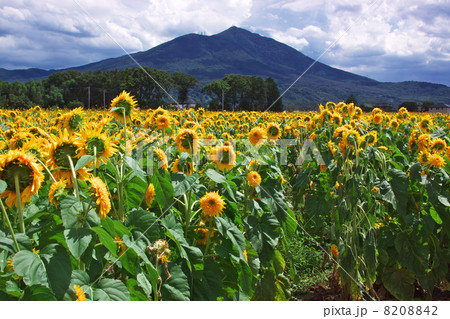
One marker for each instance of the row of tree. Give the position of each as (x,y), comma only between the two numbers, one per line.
(151,87)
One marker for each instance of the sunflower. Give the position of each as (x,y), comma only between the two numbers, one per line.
(423,157)
(187,141)
(73,120)
(91,141)
(438,146)
(212,204)
(375,190)
(377,118)
(185,167)
(149,194)
(224,157)
(253,178)
(161,159)
(29,175)
(424,142)
(370,138)
(79,293)
(61,148)
(123,104)
(394,124)
(336,119)
(56,189)
(436,160)
(101,194)
(425,124)
(162,122)
(253,165)
(202,234)
(273,131)
(256,136)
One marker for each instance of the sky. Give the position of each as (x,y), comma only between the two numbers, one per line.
(387,40)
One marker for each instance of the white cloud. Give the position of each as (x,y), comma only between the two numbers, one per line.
(56,34)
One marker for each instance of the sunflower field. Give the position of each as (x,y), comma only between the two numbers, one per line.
(130,204)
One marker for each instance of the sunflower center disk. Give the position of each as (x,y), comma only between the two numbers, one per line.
(75,122)
(13,169)
(95,142)
(62,152)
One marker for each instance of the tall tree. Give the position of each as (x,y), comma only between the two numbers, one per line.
(274,100)
(183,83)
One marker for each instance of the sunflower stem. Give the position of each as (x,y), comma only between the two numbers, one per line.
(19,204)
(74,175)
(188,213)
(47,169)
(208,239)
(95,161)
(125,130)
(11,230)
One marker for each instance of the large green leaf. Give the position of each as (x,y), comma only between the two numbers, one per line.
(182,183)
(111,290)
(78,240)
(135,189)
(163,189)
(79,278)
(144,221)
(30,266)
(59,268)
(23,240)
(106,239)
(38,293)
(209,286)
(144,282)
(399,182)
(175,287)
(412,253)
(71,208)
(192,254)
(229,230)
(263,233)
(399,282)
(3,186)
(215,176)
(83,160)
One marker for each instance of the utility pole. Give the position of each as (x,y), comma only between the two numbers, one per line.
(89,97)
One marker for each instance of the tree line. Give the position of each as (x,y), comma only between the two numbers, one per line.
(151,87)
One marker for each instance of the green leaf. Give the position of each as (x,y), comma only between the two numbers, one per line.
(136,292)
(3,186)
(263,233)
(78,240)
(144,221)
(399,282)
(229,230)
(130,261)
(399,183)
(145,284)
(83,160)
(209,286)
(71,208)
(182,184)
(59,268)
(215,176)
(111,290)
(30,266)
(106,239)
(135,189)
(192,254)
(177,286)
(163,189)
(23,240)
(370,254)
(279,264)
(415,172)
(38,293)
(135,167)
(413,254)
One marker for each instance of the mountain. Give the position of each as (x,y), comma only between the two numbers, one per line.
(238,51)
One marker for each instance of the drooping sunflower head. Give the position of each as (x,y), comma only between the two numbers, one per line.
(370,138)
(424,142)
(425,124)
(73,121)
(438,146)
(224,157)
(423,157)
(377,118)
(394,124)
(256,136)
(91,141)
(57,189)
(149,194)
(122,106)
(183,166)
(187,141)
(101,195)
(161,159)
(273,131)
(212,205)
(18,168)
